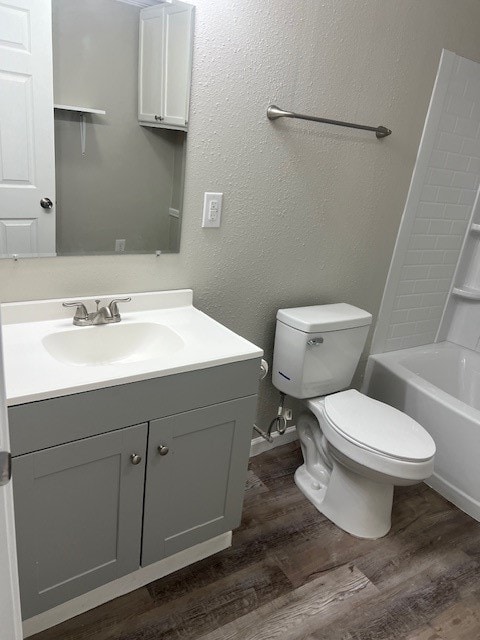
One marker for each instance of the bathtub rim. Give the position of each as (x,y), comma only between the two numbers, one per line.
(390,360)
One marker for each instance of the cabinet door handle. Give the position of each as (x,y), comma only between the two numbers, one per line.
(135,458)
(163,449)
(159,118)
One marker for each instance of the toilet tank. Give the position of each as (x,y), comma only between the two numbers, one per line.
(317,348)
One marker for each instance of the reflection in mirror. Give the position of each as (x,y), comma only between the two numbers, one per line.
(121,78)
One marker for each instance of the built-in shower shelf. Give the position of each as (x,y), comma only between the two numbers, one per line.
(469,293)
(475,228)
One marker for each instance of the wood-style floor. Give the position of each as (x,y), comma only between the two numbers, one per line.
(293,575)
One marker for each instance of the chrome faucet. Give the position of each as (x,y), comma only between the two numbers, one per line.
(103,315)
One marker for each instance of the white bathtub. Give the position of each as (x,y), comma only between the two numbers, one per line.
(439,386)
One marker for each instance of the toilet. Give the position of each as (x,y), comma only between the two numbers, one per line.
(355,449)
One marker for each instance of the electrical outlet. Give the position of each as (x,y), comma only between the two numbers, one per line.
(212,209)
(287,414)
(120,246)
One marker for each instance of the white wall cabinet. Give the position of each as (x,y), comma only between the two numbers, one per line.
(166,38)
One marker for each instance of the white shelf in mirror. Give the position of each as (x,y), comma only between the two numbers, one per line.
(83,111)
(67,107)
(469,293)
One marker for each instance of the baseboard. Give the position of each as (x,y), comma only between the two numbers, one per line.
(259,445)
(124,585)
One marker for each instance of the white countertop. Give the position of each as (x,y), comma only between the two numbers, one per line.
(33,374)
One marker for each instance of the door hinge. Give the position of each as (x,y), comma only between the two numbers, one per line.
(5,467)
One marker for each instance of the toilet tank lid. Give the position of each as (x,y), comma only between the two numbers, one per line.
(324,317)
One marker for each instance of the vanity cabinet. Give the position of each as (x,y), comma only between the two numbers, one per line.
(86,514)
(165,42)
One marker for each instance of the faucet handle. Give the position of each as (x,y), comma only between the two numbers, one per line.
(113,306)
(81,312)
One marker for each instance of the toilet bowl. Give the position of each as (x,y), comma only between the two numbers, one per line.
(355,449)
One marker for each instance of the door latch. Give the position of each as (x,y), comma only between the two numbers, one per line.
(5,467)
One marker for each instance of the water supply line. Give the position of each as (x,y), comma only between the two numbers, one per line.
(279,422)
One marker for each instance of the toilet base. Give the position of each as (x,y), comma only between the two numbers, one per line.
(356,504)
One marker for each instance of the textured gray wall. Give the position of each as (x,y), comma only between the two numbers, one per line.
(310,212)
(124,185)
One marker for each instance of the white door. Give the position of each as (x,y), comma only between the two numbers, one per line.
(27,157)
(10,617)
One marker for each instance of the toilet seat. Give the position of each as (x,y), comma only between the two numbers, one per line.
(364,449)
(378,427)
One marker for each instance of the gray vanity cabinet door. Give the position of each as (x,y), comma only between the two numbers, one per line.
(78,512)
(195,491)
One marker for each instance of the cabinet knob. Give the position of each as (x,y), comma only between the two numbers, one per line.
(163,450)
(160,118)
(135,458)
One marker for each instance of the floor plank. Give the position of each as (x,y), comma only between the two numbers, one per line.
(301,611)
(461,621)
(102,623)
(426,633)
(409,604)
(216,604)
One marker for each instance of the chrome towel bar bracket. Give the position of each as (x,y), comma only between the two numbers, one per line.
(274,112)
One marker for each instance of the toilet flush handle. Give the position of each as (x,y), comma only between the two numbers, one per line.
(315,342)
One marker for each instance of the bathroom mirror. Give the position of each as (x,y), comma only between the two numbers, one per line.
(120,165)
(93,142)
(121,76)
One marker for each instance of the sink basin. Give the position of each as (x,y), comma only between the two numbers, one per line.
(114,343)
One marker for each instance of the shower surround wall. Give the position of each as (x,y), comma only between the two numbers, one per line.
(437,210)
